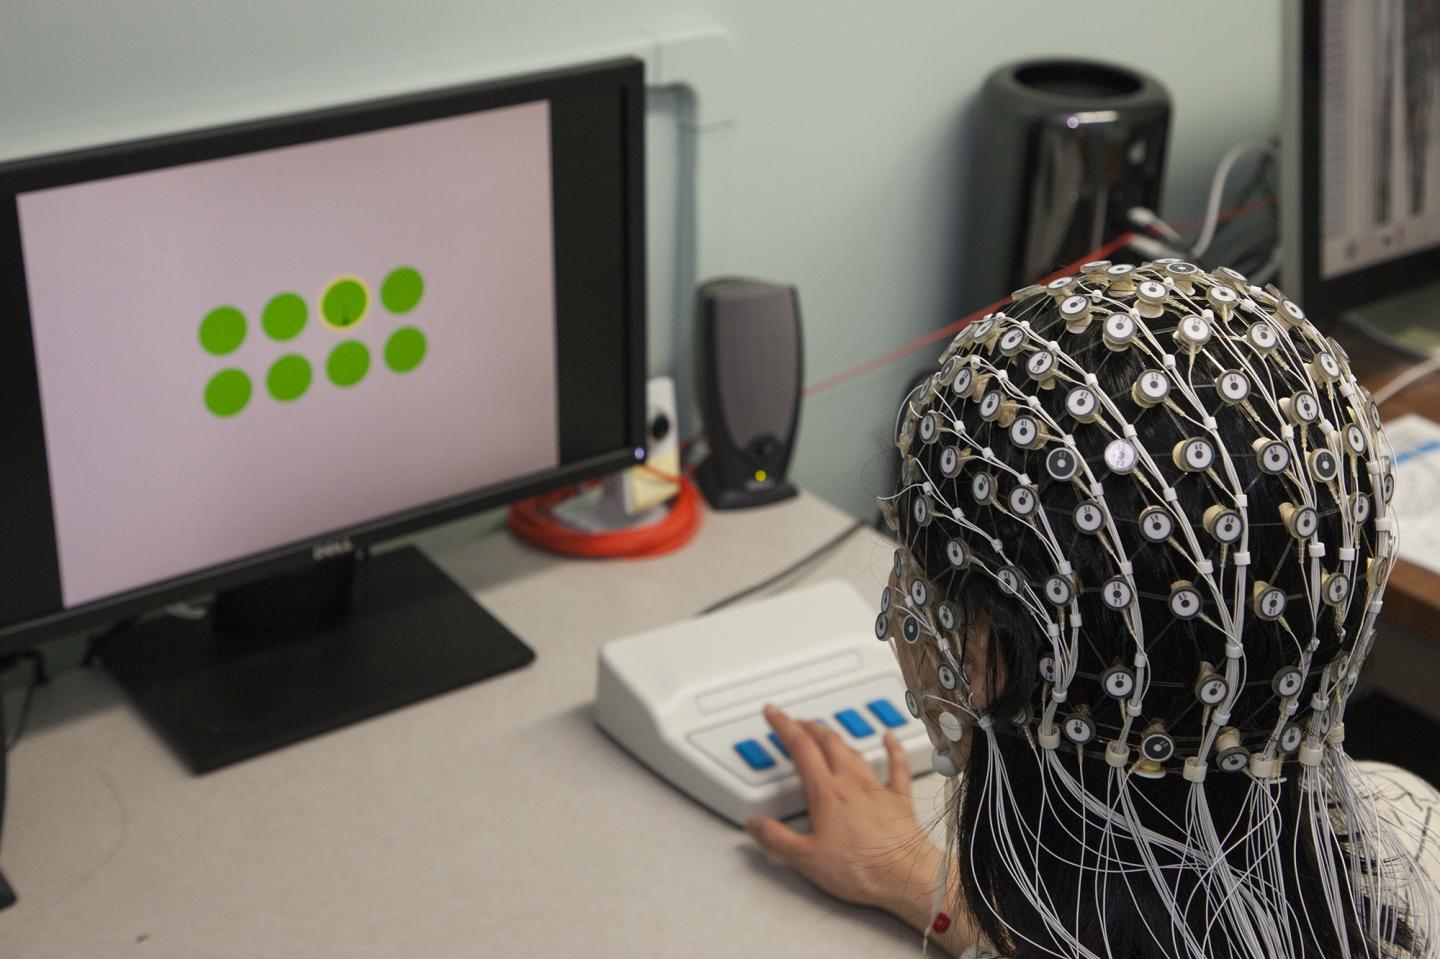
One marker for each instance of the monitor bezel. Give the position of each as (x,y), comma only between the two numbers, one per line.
(1324,300)
(625,75)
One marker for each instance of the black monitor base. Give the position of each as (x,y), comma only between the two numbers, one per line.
(409,633)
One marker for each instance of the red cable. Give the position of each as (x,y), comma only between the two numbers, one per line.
(534,521)
(945,332)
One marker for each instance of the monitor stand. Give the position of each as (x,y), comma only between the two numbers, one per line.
(296,655)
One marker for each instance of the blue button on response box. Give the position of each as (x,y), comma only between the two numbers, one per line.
(754,754)
(886,713)
(854,723)
(779,746)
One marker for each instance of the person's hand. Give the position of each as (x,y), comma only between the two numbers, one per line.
(865,845)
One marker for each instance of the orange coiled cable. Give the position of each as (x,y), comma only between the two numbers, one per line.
(534,521)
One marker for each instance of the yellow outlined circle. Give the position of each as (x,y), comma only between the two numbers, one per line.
(344,302)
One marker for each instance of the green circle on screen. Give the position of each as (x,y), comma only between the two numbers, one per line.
(289,377)
(405,349)
(284,316)
(227,392)
(402,289)
(222,331)
(348,363)
(344,302)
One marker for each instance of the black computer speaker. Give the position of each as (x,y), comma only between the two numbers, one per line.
(749,375)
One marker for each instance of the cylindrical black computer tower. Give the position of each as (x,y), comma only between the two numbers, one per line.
(1063,149)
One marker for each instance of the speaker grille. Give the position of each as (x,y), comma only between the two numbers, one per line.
(757,358)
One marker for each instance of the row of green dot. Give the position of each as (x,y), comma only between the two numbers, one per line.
(343,304)
(290,376)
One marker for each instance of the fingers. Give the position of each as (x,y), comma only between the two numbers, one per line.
(778,839)
(804,752)
(899,764)
(838,754)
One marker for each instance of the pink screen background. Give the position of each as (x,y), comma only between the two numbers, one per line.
(147,483)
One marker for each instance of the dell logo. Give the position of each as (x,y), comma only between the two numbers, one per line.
(332,548)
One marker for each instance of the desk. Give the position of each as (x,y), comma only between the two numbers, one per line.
(492,821)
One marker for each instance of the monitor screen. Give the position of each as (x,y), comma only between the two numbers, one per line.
(1379,128)
(246,352)
(246,341)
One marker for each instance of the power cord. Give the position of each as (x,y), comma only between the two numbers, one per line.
(821,551)
(38,677)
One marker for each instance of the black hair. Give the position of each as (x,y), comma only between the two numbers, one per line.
(1135,920)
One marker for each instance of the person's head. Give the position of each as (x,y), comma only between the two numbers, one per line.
(1144,528)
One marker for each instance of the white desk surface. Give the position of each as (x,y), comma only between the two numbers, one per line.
(492,821)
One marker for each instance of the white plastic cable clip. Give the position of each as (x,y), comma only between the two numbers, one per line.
(1209,422)
(1337,734)
(1063,567)
(987,453)
(1220,718)
(1168,360)
(1049,737)
(1346,554)
(1193,770)
(1384,524)
(1127,568)
(1287,432)
(1241,501)
(1262,767)
(1234,651)
(1204,567)
(1058,695)
(1241,557)
(1310,755)
(1168,494)
(1141,661)
(1132,709)
(1129,430)
(1117,755)
(1316,549)
(1091,380)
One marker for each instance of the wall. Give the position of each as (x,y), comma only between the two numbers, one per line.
(850,148)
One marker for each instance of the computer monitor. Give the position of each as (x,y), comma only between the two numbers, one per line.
(232,359)
(1360,204)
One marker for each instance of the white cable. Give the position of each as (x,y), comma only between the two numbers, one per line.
(1217,188)
(1143,217)
(1358,322)
(1407,379)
